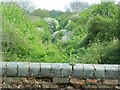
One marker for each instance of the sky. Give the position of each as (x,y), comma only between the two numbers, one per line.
(58,4)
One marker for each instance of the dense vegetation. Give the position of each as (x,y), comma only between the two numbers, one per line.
(90,36)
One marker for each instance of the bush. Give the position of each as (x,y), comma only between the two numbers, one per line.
(22,41)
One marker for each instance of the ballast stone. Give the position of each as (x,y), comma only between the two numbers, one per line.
(58,80)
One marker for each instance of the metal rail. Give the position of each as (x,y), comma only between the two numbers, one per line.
(64,70)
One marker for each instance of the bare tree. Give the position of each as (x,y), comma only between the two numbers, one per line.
(28,5)
(77,6)
(24,4)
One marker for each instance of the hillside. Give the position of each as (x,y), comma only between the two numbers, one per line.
(90,36)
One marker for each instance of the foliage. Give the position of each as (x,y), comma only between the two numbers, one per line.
(94,31)
(77,6)
(43,28)
(22,41)
(63,19)
(92,35)
(40,13)
(55,13)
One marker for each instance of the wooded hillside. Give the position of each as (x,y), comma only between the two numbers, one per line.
(88,36)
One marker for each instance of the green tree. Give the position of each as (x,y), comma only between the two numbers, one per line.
(40,13)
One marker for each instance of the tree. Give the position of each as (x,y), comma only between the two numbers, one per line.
(106,9)
(26,5)
(41,13)
(77,6)
(55,13)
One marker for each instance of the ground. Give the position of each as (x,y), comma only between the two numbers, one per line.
(23,83)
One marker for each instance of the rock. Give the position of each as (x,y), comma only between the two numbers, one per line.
(58,80)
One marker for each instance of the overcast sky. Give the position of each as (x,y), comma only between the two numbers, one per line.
(58,4)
